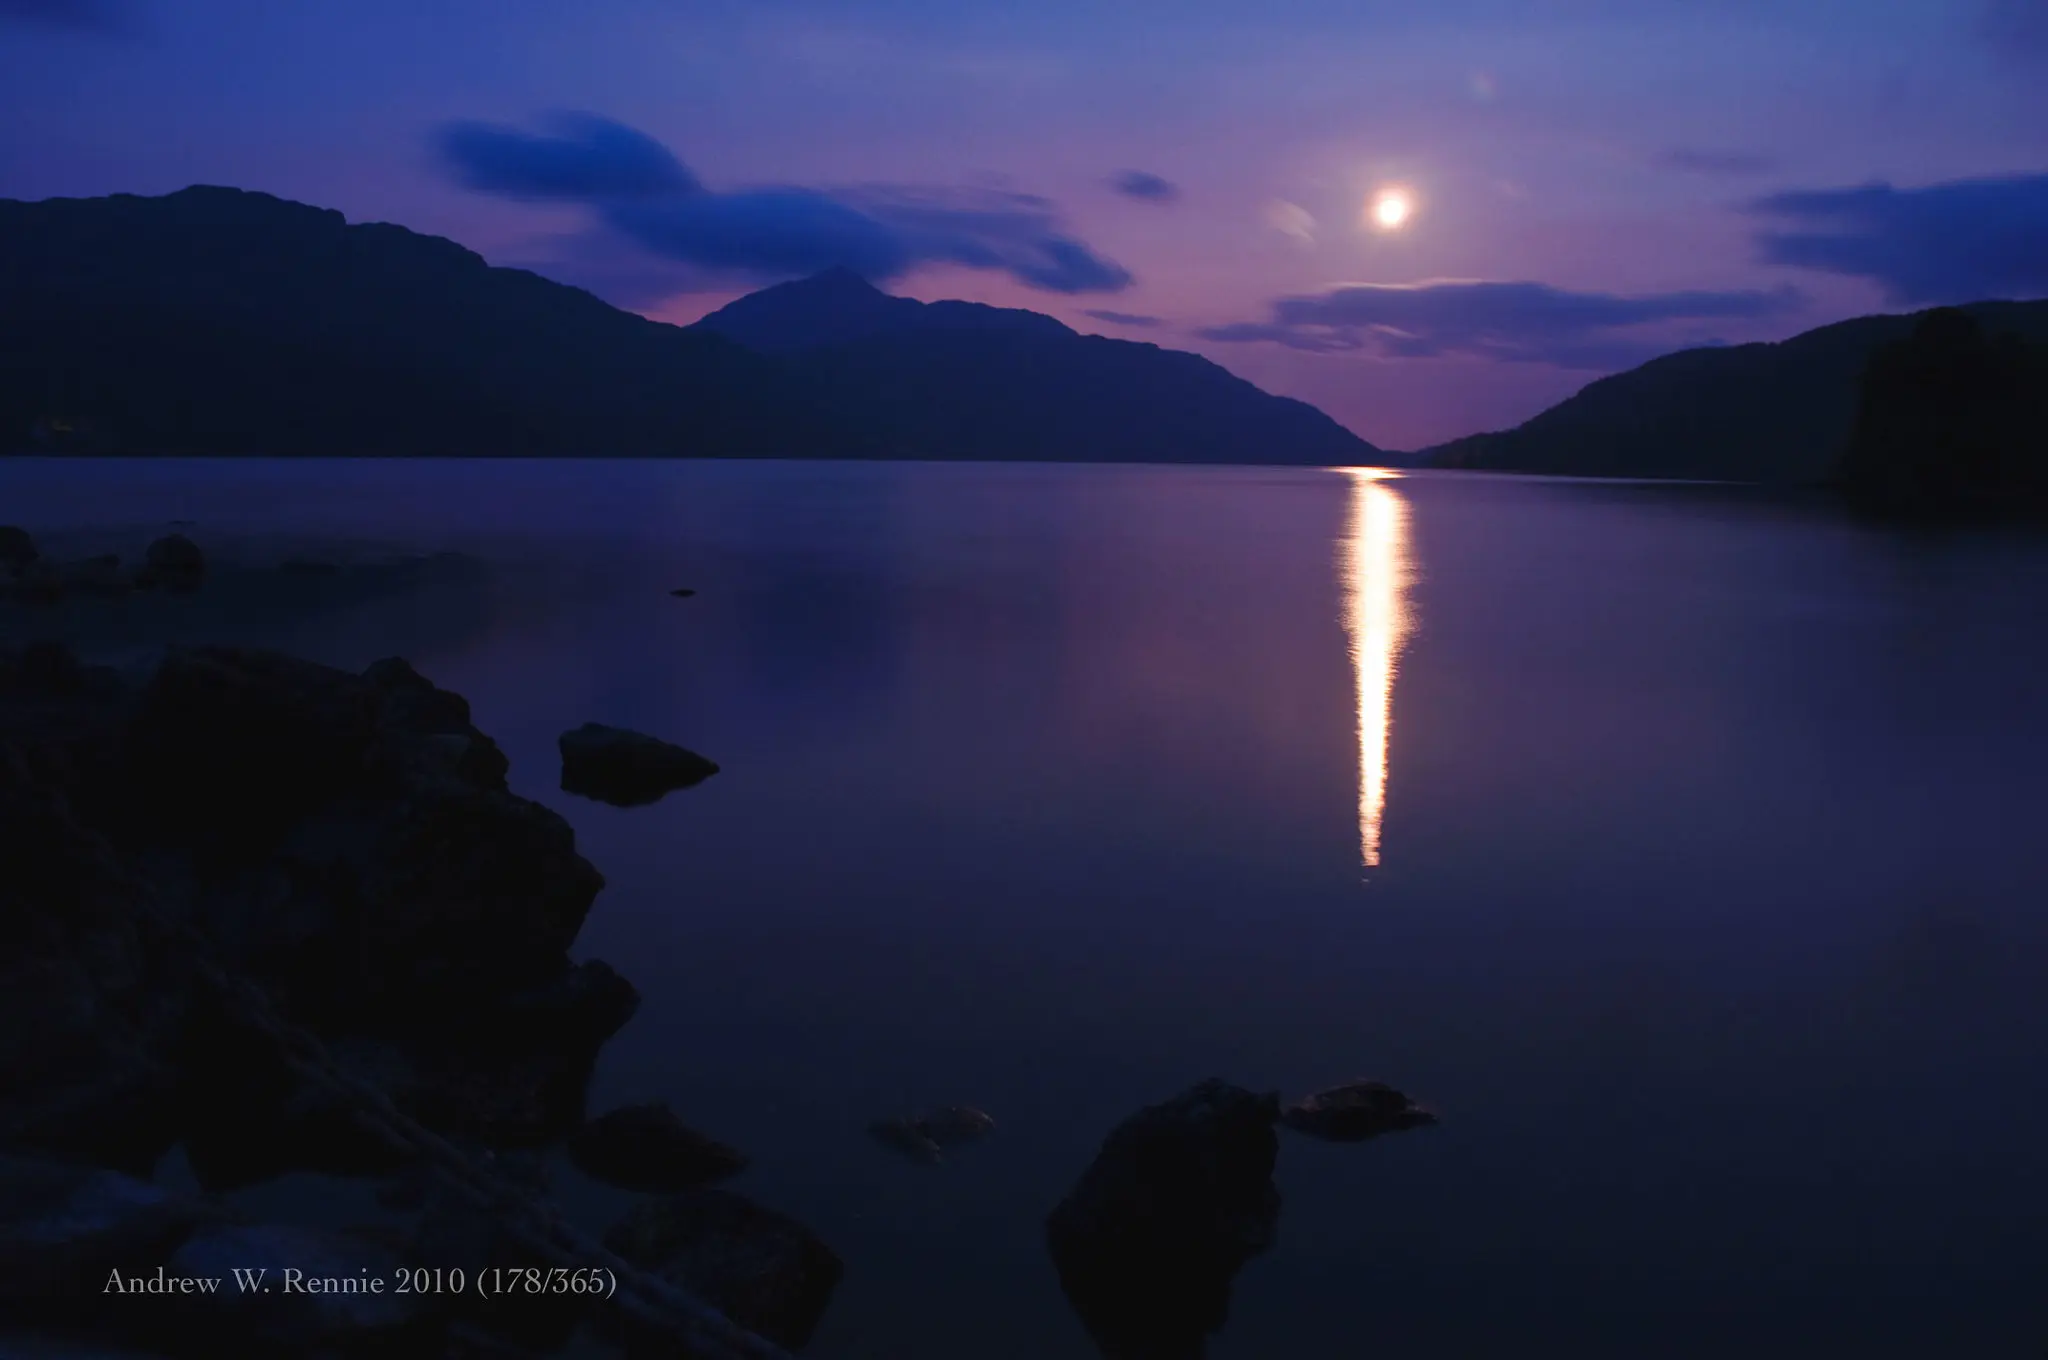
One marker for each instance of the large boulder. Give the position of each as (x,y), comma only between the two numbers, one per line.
(768,1273)
(1149,1240)
(627,769)
(353,838)
(646,1148)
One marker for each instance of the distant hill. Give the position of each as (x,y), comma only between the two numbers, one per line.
(1750,413)
(218,321)
(964,380)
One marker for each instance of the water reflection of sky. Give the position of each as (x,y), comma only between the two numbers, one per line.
(1708,905)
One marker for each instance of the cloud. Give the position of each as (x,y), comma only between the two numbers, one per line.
(1125,318)
(1724,164)
(1954,242)
(1521,322)
(642,195)
(1141,184)
(589,158)
(92,16)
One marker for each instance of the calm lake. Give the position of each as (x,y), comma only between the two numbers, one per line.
(1684,847)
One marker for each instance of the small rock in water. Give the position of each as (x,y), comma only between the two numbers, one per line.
(903,1135)
(1150,1238)
(954,1125)
(173,561)
(627,769)
(647,1149)
(682,592)
(1354,1112)
(17,548)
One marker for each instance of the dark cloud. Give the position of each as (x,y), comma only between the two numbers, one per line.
(641,194)
(1726,164)
(1140,184)
(92,16)
(1523,322)
(588,159)
(1125,318)
(1954,242)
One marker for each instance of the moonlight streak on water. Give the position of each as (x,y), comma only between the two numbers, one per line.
(1374,560)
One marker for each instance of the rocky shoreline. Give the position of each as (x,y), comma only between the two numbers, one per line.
(270,917)
(346,845)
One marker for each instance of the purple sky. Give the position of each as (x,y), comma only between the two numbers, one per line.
(1595,180)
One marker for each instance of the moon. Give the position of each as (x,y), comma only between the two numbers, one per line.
(1391,208)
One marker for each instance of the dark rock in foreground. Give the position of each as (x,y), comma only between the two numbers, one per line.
(348,843)
(647,1149)
(1354,1112)
(768,1273)
(1180,1197)
(627,769)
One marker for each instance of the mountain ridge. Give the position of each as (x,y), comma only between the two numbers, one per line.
(226,321)
(1777,412)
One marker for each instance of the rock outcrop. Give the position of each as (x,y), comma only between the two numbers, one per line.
(1149,1240)
(627,769)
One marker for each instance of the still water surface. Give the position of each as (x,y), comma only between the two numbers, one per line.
(1683,846)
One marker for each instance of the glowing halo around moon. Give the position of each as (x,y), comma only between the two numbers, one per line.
(1391,208)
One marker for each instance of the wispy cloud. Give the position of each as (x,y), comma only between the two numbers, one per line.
(1521,322)
(1953,242)
(641,193)
(1125,319)
(1144,185)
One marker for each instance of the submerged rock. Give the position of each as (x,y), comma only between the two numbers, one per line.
(904,1137)
(954,1125)
(174,562)
(924,1138)
(682,592)
(768,1273)
(1354,1112)
(647,1149)
(17,548)
(627,769)
(1179,1198)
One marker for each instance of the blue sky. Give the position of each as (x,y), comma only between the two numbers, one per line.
(1591,181)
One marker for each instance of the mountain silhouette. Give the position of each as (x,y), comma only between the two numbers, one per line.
(966,380)
(1775,413)
(220,321)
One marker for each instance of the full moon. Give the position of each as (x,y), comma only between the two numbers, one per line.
(1391,208)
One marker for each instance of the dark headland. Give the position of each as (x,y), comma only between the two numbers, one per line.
(1968,386)
(215,321)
